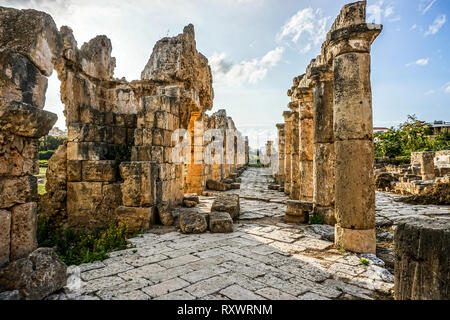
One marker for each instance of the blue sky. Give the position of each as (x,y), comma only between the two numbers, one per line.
(256,47)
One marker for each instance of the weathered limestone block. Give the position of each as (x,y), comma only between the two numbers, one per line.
(355,186)
(89,151)
(191,67)
(98,171)
(97,61)
(35,276)
(74,170)
(227,203)
(39,38)
(137,219)
(306,180)
(362,241)
(323,180)
(165,214)
(306,139)
(21,80)
(327,213)
(5,236)
(220,222)
(23,230)
(298,209)
(191,197)
(17,190)
(216,185)
(323,112)
(353,97)
(192,222)
(25,120)
(19,155)
(422,251)
(426,161)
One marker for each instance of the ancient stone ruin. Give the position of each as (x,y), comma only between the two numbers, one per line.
(147,153)
(326,147)
(128,142)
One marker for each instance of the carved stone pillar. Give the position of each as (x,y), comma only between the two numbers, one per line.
(324,156)
(281,153)
(353,130)
(306,144)
(288,151)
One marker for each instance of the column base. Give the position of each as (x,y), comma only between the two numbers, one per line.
(360,241)
(298,211)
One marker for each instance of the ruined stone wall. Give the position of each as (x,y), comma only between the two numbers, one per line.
(336,131)
(281,154)
(26,62)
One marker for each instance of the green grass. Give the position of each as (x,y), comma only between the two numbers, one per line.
(41,189)
(316,220)
(42,171)
(364,261)
(75,248)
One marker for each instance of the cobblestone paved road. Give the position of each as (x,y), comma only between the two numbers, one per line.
(263,259)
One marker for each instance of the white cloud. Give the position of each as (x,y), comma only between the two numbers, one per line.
(306,49)
(446,88)
(436,25)
(430,92)
(421,62)
(376,12)
(250,72)
(308,24)
(425,5)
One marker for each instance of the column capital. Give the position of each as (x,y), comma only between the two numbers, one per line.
(280,126)
(354,38)
(319,74)
(287,116)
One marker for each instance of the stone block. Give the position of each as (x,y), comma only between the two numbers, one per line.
(5,236)
(355,185)
(220,222)
(23,230)
(25,120)
(227,203)
(98,171)
(165,215)
(192,222)
(323,178)
(352,97)
(192,197)
(295,219)
(93,151)
(73,170)
(83,201)
(137,219)
(18,190)
(19,155)
(360,241)
(299,209)
(235,186)
(120,135)
(422,251)
(327,213)
(216,185)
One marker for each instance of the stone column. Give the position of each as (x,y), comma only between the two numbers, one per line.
(194,178)
(295,165)
(426,160)
(306,144)
(247,151)
(281,154)
(353,130)
(288,151)
(324,156)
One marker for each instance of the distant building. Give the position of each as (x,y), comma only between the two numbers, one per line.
(440,126)
(57,132)
(379,129)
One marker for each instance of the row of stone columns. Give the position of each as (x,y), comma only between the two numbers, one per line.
(326,142)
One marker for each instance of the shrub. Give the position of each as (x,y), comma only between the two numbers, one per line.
(75,248)
(364,261)
(41,189)
(46,155)
(43,163)
(316,220)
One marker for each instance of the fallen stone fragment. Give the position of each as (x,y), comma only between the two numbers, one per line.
(165,215)
(299,209)
(235,186)
(422,251)
(192,222)
(216,186)
(189,204)
(137,219)
(220,222)
(191,197)
(273,186)
(227,203)
(36,276)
